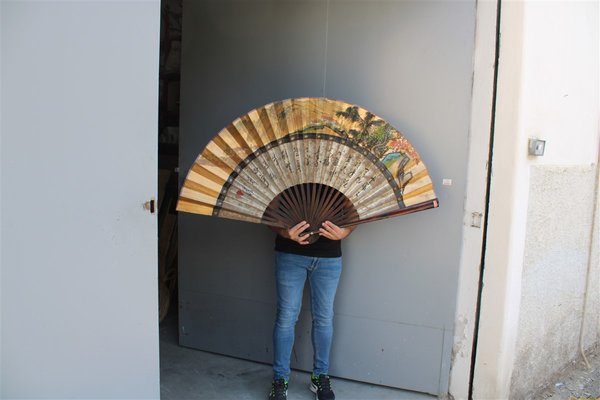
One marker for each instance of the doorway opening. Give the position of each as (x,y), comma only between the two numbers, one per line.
(168,155)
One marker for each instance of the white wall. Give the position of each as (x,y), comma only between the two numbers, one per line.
(78,159)
(559,86)
(547,88)
(559,104)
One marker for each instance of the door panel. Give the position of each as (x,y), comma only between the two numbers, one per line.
(409,62)
(79,159)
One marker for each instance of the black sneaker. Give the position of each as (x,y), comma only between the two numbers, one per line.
(278,390)
(321,386)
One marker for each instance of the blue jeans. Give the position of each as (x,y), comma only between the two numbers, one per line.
(291,271)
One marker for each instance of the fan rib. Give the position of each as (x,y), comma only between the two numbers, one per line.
(295,115)
(237,136)
(293,203)
(200,188)
(278,157)
(383,203)
(244,187)
(348,171)
(252,130)
(265,173)
(198,207)
(337,167)
(337,208)
(310,194)
(343,211)
(313,199)
(298,144)
(200,170)
(280,161)
(383,207)
(299,109)
(248,209)
(323,198)
(292,208)
(375,194)
(241,217)
(262,171)
(406,210)
(359,177)
(330,200)
(292,164)
(200,180)
(290,213)
(324,163)
(314,160)
(222,144)
(216,161)
(266,123)
(299,191)
(281,215)
(419,191)
(280,115)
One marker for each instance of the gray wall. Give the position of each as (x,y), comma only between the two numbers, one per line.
(78,159)
(409,62)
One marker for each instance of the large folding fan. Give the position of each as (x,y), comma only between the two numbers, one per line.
(311,159)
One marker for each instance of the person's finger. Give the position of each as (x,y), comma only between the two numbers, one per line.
(303,239)
(297,229)
(335,231)
(327,234)
(333,228)
(299,224)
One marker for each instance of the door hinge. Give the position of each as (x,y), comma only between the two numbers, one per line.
(476,218)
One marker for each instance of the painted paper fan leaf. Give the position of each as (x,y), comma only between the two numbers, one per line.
(312,159)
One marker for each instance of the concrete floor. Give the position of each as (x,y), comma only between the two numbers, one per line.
(187,374)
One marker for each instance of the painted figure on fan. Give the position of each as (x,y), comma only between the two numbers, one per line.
(297,260)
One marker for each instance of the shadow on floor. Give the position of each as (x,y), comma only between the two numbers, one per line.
(187,374)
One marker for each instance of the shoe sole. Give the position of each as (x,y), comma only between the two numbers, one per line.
(313,388)
(286,392)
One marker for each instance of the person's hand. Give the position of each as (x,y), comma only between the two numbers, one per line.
(334,232)
(295,233)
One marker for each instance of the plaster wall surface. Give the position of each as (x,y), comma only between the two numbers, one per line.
(559,104)
(539,250)
(555,262)
(560,80)
(591,326)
